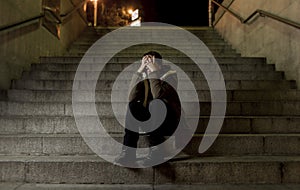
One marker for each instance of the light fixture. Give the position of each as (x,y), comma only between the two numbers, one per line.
(130,11)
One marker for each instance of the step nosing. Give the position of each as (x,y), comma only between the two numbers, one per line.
(120,134)
(95,158)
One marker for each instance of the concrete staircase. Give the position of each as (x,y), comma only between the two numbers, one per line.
(259,144)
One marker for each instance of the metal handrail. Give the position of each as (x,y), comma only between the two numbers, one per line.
(21,22)
(63,17)
(69,13)
(53,13)
(59,19)
(261,13)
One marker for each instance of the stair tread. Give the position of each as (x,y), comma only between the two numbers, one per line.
(106,90)
(80,57)
(125,102)
(41,186)
(120,134)
(96,158)
(112,117)
(195,79)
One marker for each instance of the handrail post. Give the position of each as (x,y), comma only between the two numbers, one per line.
(210,21)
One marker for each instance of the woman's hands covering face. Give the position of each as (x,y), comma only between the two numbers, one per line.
(148,63)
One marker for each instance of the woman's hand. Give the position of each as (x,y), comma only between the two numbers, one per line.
(145,61)
(152,65)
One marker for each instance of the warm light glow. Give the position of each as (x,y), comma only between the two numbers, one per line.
(95,11)
(130,11)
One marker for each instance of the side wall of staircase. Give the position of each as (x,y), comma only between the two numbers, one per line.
(23,44)
(278,42)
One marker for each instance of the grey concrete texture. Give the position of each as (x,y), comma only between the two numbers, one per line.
(184,66)
(104,95)
(215,52)
(176,60)
(203,170)
(283,108)
(82,46)
(32,36)
(167,56)
(258,145)
(66,125)
(21,186)
(264,36)
(225,144)
(111,75)
(107,84)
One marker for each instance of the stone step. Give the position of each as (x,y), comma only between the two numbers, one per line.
(67,125)
(164,54)
(105,95)
(164,37)
(202,170)
(107,84)
(253,144)
(129,34)
(200,29)
(140,50)
(129,60)
(209,35)
(192,29)
(126,33)
(112,75)
(34,186)
(210,44)
(184,42)
(207,41)
(284,108)
(169,56)
(184,66)
(225,144)
(131,31)
(145,47)
(206,47)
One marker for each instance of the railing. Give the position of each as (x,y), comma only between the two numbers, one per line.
(258,11)
(53,24)
(71,12)
(10,26)
(53,12)
(52,17)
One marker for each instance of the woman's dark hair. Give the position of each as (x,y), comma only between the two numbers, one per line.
(157,56)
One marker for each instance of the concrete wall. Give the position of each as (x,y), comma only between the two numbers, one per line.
(278,42)
(23,45)
(73,25)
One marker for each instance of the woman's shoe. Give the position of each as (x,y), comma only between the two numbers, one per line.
(127,157)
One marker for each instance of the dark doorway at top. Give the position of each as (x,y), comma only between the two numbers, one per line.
(184,13)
